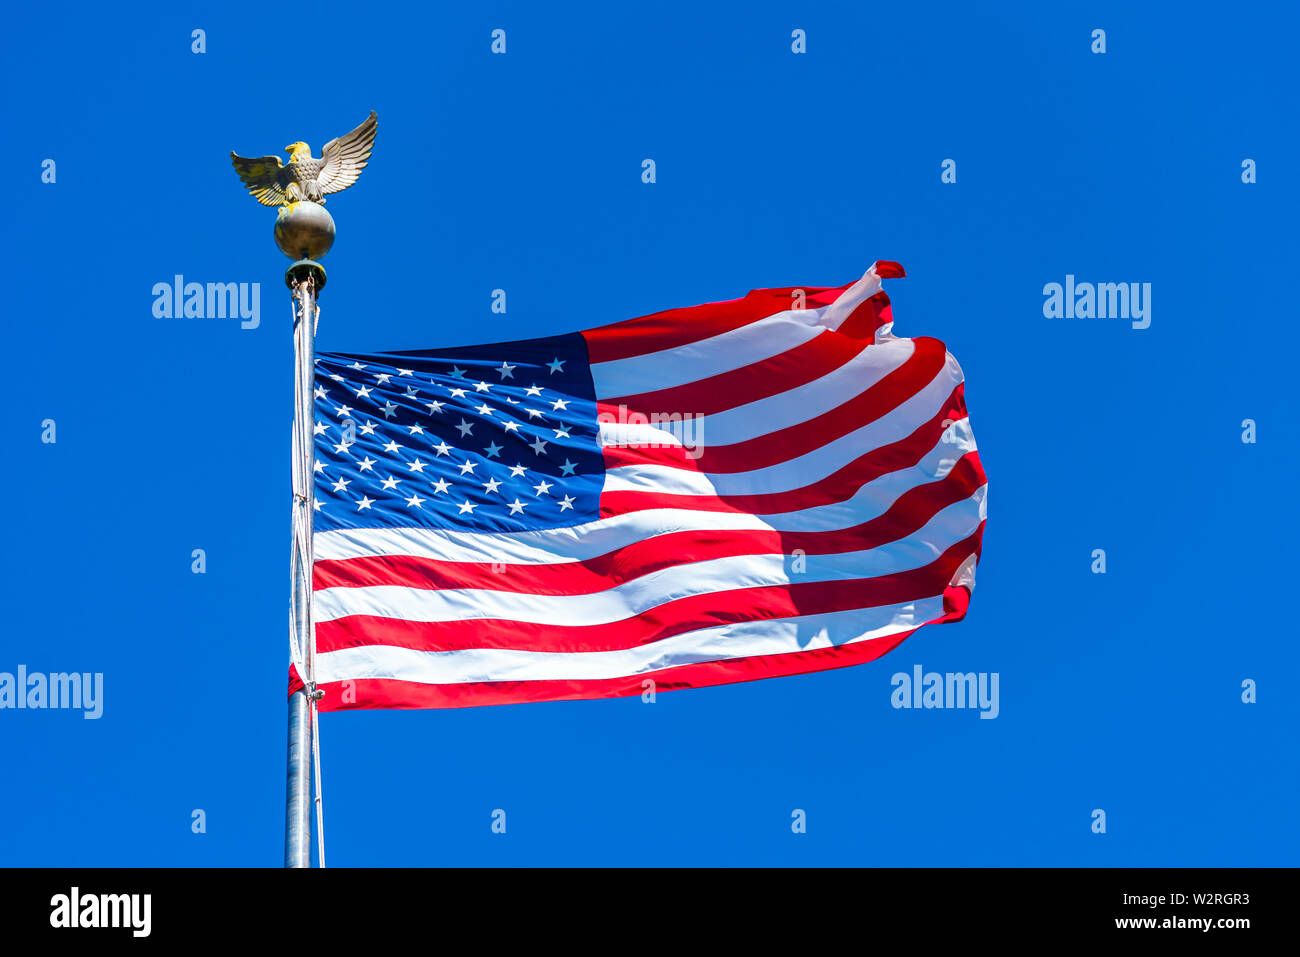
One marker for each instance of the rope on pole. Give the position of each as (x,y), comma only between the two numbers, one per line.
(316,695)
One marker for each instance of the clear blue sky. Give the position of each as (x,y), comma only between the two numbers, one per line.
(522,172)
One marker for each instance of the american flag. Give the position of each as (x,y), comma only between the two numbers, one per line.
(767,486)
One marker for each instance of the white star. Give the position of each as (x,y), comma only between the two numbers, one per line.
(414,500)
(318,428)
(318,467)
(465,428)
(365,502)
(389,410)
(410,393)
(466,506)
(533,413)
(441,485)
(512,401)
(517,506)
(405,372)
(482,386)
(469,467)
(366,464)
(316,504)
(556,365)
(434,407)
(364,392)
(416,430)
(507,371)
(568,467)
(493,450)
(484,409)
(356,365)
(456,393)
(392,447)
(517,470)
(543,487)
(341,485)
(382,378)
(368,428)
(566,502)
(337,378)
(533,389)
(560,404)
(511,426)
(390,482)
(343,410)
(320,392)
(442,448)
(538,447)
(491,485)
(561,434)
(417,466)
(342,447)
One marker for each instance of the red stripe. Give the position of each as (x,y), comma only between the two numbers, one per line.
(796,366)
(910,512)
(836,487)
(917,372)
(663,621)
(679,327)
(863,321)
(392,693)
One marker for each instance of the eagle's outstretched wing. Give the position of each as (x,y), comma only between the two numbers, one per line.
(343,159)
(264,178)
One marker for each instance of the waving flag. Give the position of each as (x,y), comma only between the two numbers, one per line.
(767,486)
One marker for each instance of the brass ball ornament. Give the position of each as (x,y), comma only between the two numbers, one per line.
(304,230)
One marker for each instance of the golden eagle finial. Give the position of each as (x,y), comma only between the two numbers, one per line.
(305,177)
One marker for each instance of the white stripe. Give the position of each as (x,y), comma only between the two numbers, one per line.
(740,640)
(543,547)
(602,536)
(635,597)
(752,342)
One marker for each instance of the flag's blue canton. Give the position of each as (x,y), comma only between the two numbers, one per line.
(488,438)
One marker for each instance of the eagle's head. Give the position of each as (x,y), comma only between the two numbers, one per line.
(297,151)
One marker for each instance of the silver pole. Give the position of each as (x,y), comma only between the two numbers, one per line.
(305,278)
(297,810)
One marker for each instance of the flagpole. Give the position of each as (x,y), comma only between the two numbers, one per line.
(297,812)
(305,278)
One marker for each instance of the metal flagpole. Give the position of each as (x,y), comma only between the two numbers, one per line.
(305,278)
(297,813)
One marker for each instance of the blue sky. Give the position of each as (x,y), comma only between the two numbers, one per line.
(1119,691)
